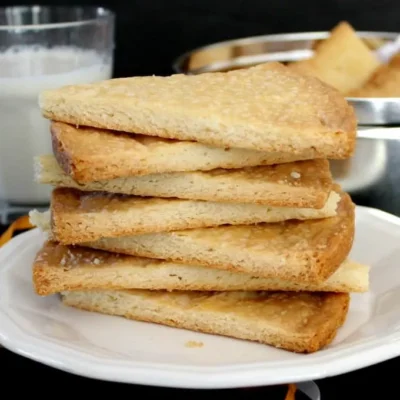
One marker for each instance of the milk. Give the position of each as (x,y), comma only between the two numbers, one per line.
(24,133)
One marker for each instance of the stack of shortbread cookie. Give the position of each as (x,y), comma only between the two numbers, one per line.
(202,202)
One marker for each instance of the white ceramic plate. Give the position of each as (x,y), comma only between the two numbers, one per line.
(112,348)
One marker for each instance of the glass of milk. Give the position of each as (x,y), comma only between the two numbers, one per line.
(42,48)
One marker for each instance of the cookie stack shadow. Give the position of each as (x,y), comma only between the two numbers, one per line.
(202,202)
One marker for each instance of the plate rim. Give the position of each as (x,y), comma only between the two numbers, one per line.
(322,365)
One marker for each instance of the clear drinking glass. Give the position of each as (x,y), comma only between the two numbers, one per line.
(42,48)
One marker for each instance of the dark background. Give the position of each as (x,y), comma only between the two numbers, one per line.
(149,36)
(151,33)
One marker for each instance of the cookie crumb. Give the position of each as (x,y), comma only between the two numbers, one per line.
(295,175)
(193,344)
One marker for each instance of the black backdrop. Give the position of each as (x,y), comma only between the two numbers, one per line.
(151,33)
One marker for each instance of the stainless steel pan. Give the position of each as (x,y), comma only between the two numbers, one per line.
(286,47)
